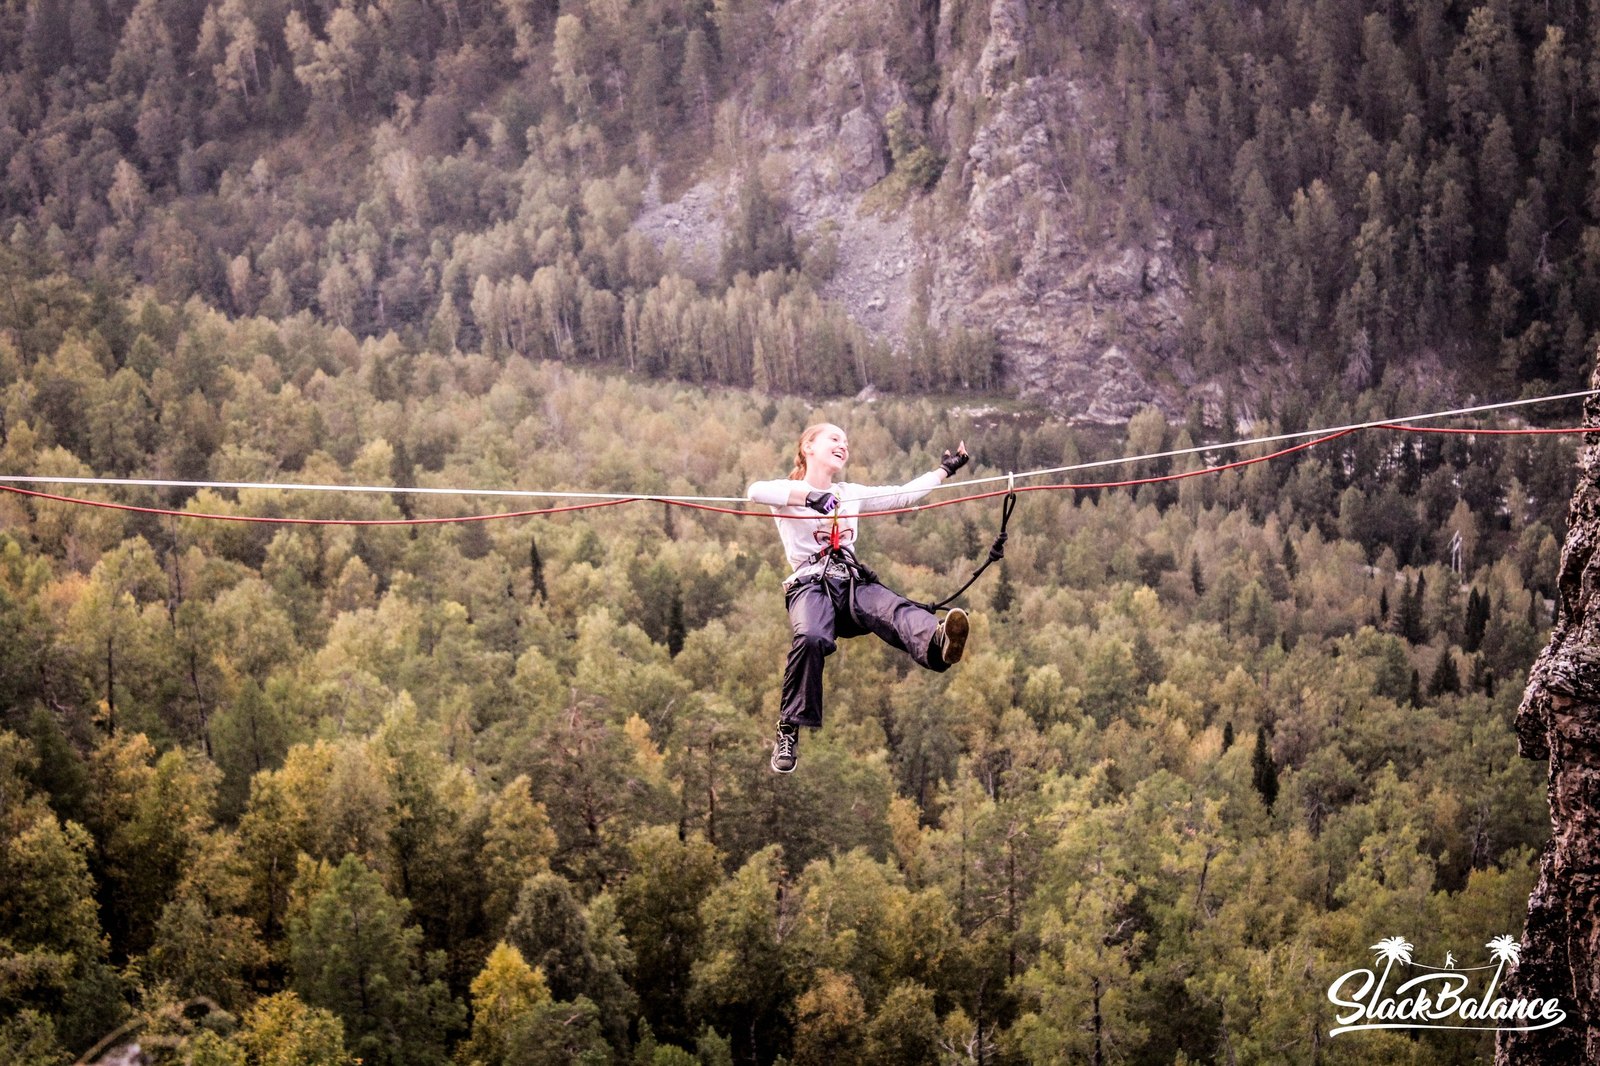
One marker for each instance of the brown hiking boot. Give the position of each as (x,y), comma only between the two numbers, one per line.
(951,637)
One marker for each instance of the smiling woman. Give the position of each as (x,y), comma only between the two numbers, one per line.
(831,593)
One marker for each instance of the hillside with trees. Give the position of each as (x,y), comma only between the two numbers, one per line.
(1318,190)
(497,792)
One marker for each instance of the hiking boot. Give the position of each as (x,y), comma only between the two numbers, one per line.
(951,637)
(786,748)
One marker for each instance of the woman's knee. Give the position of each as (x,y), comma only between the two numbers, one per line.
(814,641)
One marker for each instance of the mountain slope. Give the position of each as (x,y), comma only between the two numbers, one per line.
(1093,202)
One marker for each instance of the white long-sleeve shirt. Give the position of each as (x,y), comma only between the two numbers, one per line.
(804,532)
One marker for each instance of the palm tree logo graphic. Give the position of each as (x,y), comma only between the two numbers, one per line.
(1438,998)
(1502,949)
(1391,950)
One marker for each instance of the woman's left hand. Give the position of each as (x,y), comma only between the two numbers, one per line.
(952,463)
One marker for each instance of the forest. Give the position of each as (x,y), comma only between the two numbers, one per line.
(1412,183)
(497,792)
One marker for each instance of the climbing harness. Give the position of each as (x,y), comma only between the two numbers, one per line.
(838,560)
(838,555)
(848,559)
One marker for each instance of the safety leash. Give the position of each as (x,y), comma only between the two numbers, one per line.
(997,550)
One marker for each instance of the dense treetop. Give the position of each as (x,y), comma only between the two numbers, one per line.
(498,792)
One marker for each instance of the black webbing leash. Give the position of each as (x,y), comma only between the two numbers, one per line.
(997,551)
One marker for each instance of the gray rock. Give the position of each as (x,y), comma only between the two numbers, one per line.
(1559,722)
(1008,27)
(862,154)
(1085,323)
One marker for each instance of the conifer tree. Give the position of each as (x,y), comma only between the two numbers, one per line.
(1445,680)
(536,570)
(1476,621)
(1263,771)
(1004,592)
(758,239)
(352,952)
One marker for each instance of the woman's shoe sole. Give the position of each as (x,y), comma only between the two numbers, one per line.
(955,636)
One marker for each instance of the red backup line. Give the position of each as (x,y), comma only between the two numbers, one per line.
(284,521)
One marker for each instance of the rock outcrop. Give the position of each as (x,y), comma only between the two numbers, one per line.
(1085,322)
(1559,721)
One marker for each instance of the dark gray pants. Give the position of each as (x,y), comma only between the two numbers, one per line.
(819,613)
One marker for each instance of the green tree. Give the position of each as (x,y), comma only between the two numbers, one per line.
(517,845)
(252,732)
(504,994)
(916,166)
(56,973)
(1476,622)
(112,633)
(1263,770)
(352,952)
(1081,992)
(589,782)
(659,905)
(29,1039)
(580,951)
(1446,678)
(857,920)
(428,841)
(556,1033)
(150,817)
(738,978)
(758,238)
(905,1029)
(24,627)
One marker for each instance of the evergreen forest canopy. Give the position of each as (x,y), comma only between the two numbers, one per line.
(1388,182)
(497,793)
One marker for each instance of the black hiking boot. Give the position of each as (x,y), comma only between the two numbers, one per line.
(786,748)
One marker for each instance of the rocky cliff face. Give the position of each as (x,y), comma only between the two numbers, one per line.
(1084,322)
(1559,721)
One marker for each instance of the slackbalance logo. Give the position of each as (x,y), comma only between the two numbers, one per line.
(1436,998)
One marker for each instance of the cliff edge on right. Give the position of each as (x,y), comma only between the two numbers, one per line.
(1559,721)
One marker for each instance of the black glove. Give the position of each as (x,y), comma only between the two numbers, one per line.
(952,463)
(822,502)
